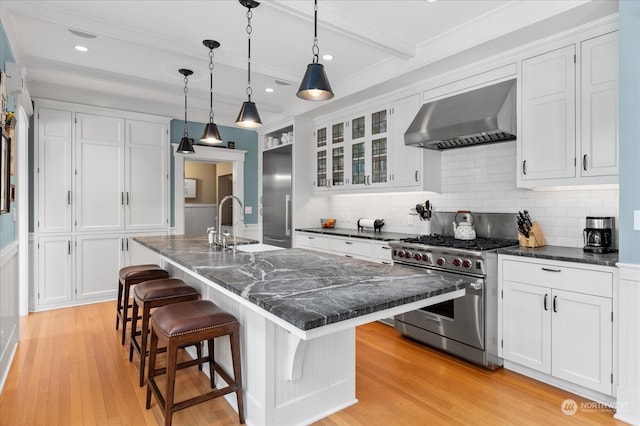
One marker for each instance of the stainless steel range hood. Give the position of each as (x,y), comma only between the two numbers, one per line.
(484,115)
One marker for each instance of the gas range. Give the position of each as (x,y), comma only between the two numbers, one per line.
(446,253)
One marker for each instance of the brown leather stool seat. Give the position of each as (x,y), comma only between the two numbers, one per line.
(131,275)
(182,324)
(147,296)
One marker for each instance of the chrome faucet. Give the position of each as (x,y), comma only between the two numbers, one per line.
(220,240)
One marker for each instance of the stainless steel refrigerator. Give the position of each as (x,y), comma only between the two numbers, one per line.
(276,196)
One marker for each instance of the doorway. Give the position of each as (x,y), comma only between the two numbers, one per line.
(225,187)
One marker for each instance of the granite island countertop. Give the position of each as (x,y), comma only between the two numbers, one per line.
(305,288)
(567,254)
(354,233)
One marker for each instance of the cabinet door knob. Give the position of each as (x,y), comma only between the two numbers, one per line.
(584,162)
(524,167)
(555,302)
(546,308)
(416,176)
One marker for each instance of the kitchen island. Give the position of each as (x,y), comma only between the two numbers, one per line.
(298,310)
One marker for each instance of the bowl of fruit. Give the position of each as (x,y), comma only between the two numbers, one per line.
(328,223)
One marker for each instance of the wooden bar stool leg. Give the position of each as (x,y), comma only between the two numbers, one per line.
(152,366)
(119,304)
(143,341)
(172,363)
(125,311)
(210,348)
(134,327)
(234,339)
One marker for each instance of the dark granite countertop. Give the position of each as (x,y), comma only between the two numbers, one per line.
(567,254)
(354,233)
(305,288)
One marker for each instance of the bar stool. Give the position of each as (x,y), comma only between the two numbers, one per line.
(181,324)
(147,296)
(131,275)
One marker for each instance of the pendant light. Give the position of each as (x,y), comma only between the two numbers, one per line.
(248,116)
(315,85)
(186,144)
(211,136)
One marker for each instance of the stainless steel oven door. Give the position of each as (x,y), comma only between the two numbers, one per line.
(460,319)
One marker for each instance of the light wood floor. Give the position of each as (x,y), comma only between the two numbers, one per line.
(70,369)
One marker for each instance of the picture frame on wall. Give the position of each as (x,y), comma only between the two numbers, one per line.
(5,153)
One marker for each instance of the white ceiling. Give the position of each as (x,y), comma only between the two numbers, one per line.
(140,45)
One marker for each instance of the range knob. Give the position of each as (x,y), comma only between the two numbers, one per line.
(466,263)
(417,256)
(407,254)
(441,261)
(425,257)
(457,262)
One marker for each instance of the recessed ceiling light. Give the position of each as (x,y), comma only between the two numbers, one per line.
(327,57)
(431,1)
(269,90)
(81,48)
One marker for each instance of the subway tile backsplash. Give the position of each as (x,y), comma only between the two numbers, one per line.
(482,179)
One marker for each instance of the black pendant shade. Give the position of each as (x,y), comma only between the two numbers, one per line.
(315,85)
(186,146)
(248,116)
(211,135)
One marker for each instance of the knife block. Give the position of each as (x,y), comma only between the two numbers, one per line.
(536,237)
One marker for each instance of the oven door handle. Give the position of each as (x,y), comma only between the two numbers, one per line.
(476,286)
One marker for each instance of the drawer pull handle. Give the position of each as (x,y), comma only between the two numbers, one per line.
(348,242)
(555,303)
(551,270)
(311,238)
(385,248)
(546,308)
(348,255)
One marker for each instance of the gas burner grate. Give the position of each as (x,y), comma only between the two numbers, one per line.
(480,243)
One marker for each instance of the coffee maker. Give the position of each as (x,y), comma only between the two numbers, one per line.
(598,235)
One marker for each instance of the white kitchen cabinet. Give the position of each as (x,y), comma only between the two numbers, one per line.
(99,173)
(353,247)
(146,176)
(98,260)
(413,168)
(547,140)
(382,253)
(102,178)
(54,171)
(569,115)
(599,106)
(557,319)
(313,241)
(55,271)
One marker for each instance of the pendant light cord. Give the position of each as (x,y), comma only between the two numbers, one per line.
(249,30)
(315,49)
(211,86)
(186,90)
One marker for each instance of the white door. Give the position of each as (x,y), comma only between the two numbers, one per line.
(526,325)
(407,160)
(98,260)
(582,340)
(55,195)
(599,124)
(99,173)
(147,175)
(55,279)
(548,138)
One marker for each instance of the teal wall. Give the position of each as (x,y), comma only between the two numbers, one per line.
(7,225)
(246,140)
(629,103)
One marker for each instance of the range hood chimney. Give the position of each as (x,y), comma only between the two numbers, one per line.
(484,115)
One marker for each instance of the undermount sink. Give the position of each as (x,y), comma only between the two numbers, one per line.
(257,248)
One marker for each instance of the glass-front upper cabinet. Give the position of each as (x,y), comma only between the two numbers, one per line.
(337,155)
(322,165)
(368,149)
